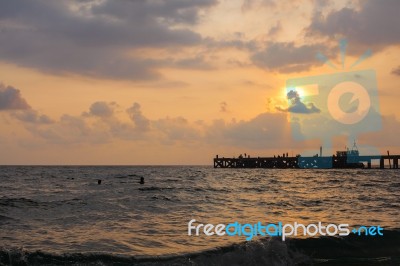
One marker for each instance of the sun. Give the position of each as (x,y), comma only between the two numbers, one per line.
(300,92)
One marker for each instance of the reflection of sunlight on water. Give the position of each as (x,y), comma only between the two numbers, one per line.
(62,214)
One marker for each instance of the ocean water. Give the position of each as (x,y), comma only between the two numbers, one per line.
(60,215)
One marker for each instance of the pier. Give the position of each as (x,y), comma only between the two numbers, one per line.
(283,162)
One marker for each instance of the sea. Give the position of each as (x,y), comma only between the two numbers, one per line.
(61,215)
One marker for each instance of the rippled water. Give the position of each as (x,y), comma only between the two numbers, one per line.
(62,209)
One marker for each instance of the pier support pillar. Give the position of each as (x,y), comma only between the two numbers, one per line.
(382,163)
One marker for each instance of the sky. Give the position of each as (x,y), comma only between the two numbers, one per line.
(154,82)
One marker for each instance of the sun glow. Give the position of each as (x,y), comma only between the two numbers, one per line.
(300,91)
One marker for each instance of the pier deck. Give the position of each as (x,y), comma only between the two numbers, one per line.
(307,162)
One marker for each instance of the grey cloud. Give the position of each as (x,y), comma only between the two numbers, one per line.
(32,116)
(388,136)
(101,109)
(176,129)
(105,127)
(374,24)
(286,57)
(135,113)
(165,84)
(197,62)
(235,42)
(11,99)
(396,71)
(250,4)
(172,11)
(267,130)
(63,57)
(302,108)
(70,130)
(274,30)
(223,107)
(95,38)
(247,4)
(238,63)
(81,129)
(297,106)
(107,23)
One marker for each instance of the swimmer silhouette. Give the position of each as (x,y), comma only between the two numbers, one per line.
(99,182)
(141,181)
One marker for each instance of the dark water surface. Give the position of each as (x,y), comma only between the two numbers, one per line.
(62,212)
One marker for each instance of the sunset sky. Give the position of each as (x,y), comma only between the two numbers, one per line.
(179,81)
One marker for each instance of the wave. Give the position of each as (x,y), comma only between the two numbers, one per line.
(155,188)
(121,176)
(5,219)
(17,202)
(30,203)
(350,250)
(127,176)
